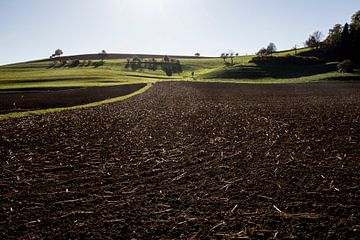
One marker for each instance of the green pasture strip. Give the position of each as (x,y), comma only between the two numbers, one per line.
(292,52)
(53,110)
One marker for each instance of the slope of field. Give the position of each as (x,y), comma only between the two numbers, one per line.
(45,74)
(188,160)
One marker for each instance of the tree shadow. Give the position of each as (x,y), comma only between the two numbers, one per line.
(98,64)
(271,70)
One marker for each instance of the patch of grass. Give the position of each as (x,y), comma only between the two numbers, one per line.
(292,52)
(113,72)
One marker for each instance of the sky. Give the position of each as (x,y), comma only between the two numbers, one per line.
(34,29)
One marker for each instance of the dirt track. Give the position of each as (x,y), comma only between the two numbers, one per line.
(34,99)
(208,161)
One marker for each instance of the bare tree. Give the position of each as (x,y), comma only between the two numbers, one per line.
(295,49)
(103,55)
(314,40)
(232,58)
(262,52)
(224,56)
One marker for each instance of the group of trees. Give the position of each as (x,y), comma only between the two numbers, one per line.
(169,65)
(271,48)
(342,42)
(57,54)
(230,55)
(62,62)
(345,40)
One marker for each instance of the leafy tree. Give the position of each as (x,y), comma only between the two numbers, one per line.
(197,54)
(271,48)
(355,37)
(58,53)
(166,59)
(335,36)
(355,20)
(346,40)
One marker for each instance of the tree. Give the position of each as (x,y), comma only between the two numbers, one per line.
(346,40)
(271,48)
(335,36)
(355,20)
(231,55)
(103,55)
(197,54)
(224,57)
(262,52)
(314,40)
(58,53)
(295,49)
(237,54)
(166,58)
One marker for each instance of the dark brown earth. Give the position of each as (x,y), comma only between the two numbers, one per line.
(186,160)
(34,99)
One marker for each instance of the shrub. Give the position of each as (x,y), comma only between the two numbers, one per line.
(345,66)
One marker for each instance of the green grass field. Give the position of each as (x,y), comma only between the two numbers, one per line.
(41,75)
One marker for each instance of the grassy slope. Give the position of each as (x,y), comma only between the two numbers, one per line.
(35,75)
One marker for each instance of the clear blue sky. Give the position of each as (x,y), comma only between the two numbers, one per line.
(33,29)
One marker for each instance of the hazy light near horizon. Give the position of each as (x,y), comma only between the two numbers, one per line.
(141,8)
(33,29)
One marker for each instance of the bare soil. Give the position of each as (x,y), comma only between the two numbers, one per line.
(188,160)
(44,98)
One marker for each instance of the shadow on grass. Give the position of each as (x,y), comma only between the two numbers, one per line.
(344,78)
(98,64)
(272,71)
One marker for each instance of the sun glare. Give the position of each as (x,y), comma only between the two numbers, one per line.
(147,7)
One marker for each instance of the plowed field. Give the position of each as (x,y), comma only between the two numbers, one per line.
(35,99)
(188,160)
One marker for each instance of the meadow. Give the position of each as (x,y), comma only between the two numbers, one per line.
(45,75)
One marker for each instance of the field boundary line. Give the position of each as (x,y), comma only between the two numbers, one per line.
(94,104)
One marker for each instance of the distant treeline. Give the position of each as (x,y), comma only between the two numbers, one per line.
(342,42)
(169,65)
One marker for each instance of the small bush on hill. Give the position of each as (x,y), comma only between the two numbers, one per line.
(346,66)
